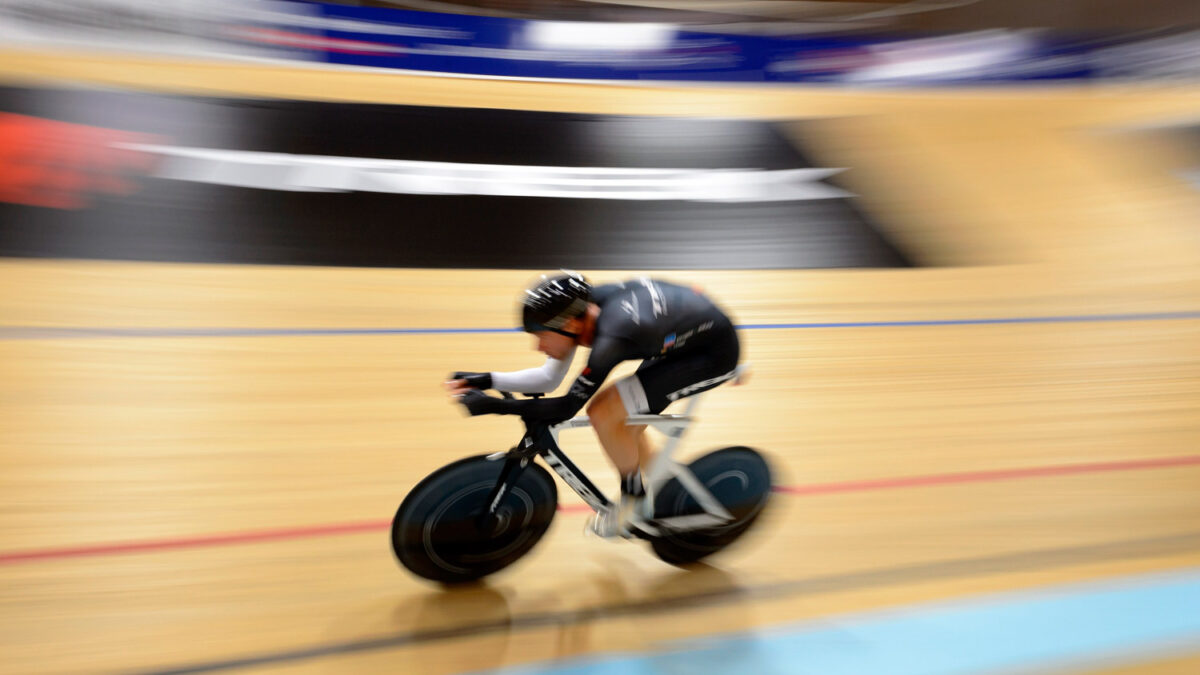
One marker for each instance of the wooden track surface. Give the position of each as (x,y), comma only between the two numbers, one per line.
(1028,203)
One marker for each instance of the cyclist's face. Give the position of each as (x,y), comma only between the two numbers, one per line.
(553,344)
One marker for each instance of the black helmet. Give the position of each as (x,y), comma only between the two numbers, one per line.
(553,300)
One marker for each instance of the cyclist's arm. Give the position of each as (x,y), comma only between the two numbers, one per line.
(606,354)
(535,380)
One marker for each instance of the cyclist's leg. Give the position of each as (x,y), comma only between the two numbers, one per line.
(656,384)
(621,442)
(628,447)
(651,389)
(623,445)
(660,382)
(646,449)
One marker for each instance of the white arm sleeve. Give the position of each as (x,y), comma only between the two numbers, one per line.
(534,380)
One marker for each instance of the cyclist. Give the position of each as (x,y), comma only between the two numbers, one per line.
(686,343)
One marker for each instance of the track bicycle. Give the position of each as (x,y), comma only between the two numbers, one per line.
(480,514)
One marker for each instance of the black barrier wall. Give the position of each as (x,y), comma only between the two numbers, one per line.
(139,177)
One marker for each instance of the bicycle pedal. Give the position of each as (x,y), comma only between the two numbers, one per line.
(590,531)
(599,525)
(608,525)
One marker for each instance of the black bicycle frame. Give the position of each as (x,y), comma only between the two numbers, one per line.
(539,441)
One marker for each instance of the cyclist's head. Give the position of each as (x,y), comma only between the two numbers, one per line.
(551,302)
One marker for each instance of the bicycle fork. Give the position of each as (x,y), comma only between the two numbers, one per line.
(519,457)
(513,466)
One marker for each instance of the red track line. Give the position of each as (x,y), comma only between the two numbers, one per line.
(193,542)
(801,490)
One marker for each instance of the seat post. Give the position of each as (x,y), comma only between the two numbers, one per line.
(674,427)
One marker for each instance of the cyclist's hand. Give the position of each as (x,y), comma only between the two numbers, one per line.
(477,403)
(464,380)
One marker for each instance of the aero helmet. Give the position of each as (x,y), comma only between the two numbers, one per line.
(553,300)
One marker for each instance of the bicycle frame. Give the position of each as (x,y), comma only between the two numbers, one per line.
(543,441)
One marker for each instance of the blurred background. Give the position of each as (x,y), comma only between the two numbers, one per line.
(242,244)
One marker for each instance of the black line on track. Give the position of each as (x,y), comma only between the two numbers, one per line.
(954,569)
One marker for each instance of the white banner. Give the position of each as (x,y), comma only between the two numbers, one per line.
(323,173)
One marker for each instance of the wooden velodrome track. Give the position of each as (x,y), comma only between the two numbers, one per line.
(174,501)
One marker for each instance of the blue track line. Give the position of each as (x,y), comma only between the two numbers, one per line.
(56,333)
(40,333)
(1069,626)
(1083,318)
(1167,608)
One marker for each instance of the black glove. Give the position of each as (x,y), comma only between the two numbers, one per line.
(478,403)
(477,380)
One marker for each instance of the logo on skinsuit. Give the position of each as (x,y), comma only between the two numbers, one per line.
(668,342)
(58,165)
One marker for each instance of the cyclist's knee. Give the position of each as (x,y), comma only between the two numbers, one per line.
(606,409)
